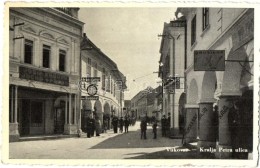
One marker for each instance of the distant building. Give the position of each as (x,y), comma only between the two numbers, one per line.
(142,104)
(212,92)
(110,89)
(171,71)
(44,59)
(127,108)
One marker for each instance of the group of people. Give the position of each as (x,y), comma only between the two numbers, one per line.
(165,125)
(143,127)
(121,124)
(93,124)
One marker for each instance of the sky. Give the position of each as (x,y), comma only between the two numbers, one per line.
(129,36)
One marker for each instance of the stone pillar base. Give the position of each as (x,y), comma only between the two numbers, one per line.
(70,129)
(13,132)
(224,152)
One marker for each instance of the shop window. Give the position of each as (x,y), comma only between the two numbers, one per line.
(28,51)
(205,18)
(46,52)
(62,56)
(36,113)
(193,30)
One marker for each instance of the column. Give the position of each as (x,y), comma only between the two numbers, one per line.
(16,104)
(12,104)
(13,125)
(191,122)
(224,104)
(69,119)
(66,110)
(207,137)
(75,109)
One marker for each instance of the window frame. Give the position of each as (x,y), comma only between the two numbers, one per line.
(46,48)
(62,53)
(205,18)
(30,44)
(193,29)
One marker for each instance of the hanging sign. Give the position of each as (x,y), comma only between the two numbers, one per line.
(209,60)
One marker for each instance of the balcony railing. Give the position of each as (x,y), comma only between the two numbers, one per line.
(65,10)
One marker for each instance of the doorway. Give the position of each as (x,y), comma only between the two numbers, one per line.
(59,118)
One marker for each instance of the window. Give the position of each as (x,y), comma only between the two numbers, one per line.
(89,67)
(46,52)
(62,56)
(103,79)
(205,18)
(95,69)
(28,51)
(193,30)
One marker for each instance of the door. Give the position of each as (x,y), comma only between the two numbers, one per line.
(37,118)
(25,118)
(59,118)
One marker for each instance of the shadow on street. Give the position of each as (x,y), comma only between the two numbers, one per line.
(132,139)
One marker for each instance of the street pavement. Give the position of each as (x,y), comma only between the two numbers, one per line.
(107,146)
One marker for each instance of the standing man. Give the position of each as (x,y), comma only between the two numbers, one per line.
(163,125)
(126,124)
(115,123)
(143,128)
(92,123)
(89,127)
(121,124)
(155,129)
(234,122)
(98,126)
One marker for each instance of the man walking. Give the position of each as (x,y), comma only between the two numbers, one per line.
(121,124)
(115,123)
(155,129)
(143,128)
(126,124)
(164,125)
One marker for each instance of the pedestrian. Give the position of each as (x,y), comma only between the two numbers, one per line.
(164,125)
(143,126)
(98,126)
(115,123)
(168,124)
(126,124)
(92,123)
(88,126)
(234,121)
(121,124)
(155,129)
(105,125)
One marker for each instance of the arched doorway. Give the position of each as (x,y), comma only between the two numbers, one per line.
(98,110)
(107,114)
(85,112)
(191,113)
(182,102)
(207,116)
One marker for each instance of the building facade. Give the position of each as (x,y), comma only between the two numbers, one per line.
(212,94)
(171,71)
(142,104)
(110,88)
(44,59)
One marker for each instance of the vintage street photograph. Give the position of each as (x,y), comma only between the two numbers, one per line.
(120,82)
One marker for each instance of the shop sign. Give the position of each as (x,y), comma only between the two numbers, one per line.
(209,60)
(43,76)
(92,98)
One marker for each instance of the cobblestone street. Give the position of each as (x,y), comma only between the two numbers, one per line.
(107,146)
